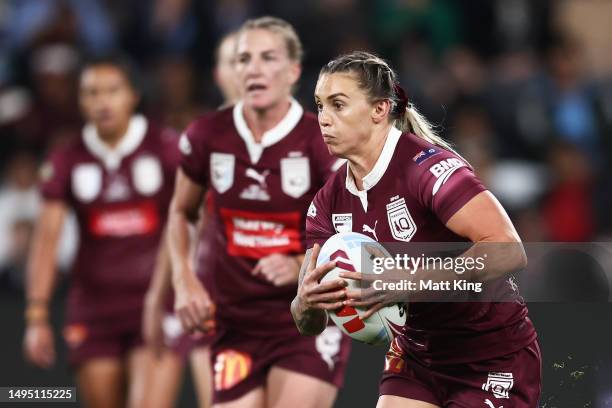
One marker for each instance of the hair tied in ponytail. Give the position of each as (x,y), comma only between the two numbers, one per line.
(402,99)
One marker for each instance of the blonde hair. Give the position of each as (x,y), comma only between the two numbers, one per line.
(379,81)
(278,26)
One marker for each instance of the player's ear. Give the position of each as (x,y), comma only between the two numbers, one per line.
(295,71)
(381,110)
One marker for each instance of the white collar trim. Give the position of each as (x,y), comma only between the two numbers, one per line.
(111,157)
(379,169)
(270,137)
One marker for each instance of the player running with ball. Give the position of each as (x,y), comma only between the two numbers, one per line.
(408,183)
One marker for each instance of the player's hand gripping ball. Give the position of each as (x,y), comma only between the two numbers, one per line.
(348,250)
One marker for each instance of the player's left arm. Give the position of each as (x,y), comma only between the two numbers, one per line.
(484,221)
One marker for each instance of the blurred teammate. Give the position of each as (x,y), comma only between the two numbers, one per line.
(407,185)
(263,159)
(156,315)
(118,178)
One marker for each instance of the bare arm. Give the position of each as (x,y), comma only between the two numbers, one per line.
(38,341)
(41,271)
(183,211)
(192,303)
(314,298)
(161,281)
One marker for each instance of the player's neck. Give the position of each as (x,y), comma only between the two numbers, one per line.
(363,163)
(260,121)
(112,138)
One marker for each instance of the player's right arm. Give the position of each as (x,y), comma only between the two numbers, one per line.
(192,303)
(313,300)
(41,273)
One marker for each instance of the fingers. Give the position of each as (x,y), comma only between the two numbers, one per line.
(371,311)
(320,271)
(329,286)
(330,307)
(336,296)
(375,250)
(314,254)
(351,275)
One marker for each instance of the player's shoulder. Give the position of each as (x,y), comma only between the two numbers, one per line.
(419,156)
(68,150)
(308,126)
(211,124)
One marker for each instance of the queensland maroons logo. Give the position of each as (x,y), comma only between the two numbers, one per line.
(401,224)
(222,171)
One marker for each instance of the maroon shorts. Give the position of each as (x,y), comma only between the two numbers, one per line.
(512,381)
(241,363)
(181,342)
(102,337)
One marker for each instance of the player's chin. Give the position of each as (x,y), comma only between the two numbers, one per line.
(259,100)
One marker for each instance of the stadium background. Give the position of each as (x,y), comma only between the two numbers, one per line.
(523,88)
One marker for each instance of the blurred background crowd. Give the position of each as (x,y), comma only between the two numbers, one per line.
(523,88)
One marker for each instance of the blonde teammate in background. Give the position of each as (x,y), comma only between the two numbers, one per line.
(157,320)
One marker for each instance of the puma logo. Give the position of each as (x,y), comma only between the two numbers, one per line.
(367,228)
(260,178)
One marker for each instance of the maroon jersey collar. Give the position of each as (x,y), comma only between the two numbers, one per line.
(374,176)
(272,136)
(111,157)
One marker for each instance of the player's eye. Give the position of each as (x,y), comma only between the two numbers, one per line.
(319,106)
(338,105)
(243,59)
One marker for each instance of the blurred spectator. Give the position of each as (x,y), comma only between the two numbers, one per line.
(568,208)
(19,206)
(177,93)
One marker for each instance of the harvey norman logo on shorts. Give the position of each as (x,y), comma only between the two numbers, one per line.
(443,169)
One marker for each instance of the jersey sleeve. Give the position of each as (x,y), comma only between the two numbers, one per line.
(318,220)
(54,176)
(446,185)
(194,160)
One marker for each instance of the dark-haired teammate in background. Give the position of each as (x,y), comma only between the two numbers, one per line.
(118,178)
(262,159)
(408,185)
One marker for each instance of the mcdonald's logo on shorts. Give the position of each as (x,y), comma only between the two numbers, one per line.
(231,367)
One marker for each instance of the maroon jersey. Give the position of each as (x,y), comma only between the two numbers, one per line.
(259,193)
(410,194)
(120,197)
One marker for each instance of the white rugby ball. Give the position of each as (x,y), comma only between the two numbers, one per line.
(382,326)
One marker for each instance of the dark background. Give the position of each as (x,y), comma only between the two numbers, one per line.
(521,87)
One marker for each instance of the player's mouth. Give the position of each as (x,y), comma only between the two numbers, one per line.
(327,138)
(252,88)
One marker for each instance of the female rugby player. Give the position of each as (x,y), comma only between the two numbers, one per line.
(263,160)
(118,178)
(407,185)
(159,328)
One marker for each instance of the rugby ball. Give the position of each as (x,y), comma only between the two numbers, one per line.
(348,250)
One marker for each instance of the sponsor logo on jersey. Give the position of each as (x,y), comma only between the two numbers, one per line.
(343,222)
(147,175)
(231,367)
(295,176)
(443,170)
(87,181)
(258,234)
(423,155)
(222,171)
(257,191)
(401,224)
(124,220)
(328,345)
(499,384)
(312,210)
(185,145)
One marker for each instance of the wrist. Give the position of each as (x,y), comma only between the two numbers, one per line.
(36,313)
